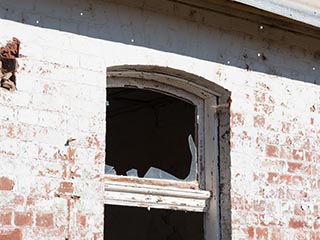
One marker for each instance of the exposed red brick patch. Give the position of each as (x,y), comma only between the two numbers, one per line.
(258,121)
(276,234)
(93,142)
(262,233)
(236,119)
(273,178)
(285,127)
(272,151)
(295,223)
(297,154)
(294,167)
(7,234)
(44,220)
(286,179)
(5,217)
(260,96)
(70,156)
(315,235)
(99,157)
(6,184)
(250,232)
(18,200)
(23,219)
(308,156)
(81,220)
(66,187)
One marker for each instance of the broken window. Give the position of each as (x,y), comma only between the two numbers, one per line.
(161,154)
(156,224)
(150,135)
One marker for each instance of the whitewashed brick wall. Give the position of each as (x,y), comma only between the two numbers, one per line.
(50,191)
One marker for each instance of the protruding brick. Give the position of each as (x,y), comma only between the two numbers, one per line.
(6,184)
(23,219)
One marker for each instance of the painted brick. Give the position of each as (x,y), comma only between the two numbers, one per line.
(274,157)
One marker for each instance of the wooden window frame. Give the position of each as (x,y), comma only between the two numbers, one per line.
(197,196)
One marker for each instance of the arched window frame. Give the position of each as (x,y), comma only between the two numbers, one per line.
(199,196)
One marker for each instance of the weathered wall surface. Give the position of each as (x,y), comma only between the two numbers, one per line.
(52,191)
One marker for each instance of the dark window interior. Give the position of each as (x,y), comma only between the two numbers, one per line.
(147,135)
(122,223)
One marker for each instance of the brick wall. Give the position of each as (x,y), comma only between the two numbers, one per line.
(52,191)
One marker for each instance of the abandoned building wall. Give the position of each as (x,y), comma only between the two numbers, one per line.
(52,128)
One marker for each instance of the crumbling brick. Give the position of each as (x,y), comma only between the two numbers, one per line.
(8,64)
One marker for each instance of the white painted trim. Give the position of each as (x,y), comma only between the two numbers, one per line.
(303,11)
(149,196)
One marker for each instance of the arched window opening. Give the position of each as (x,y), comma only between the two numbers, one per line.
(162,152)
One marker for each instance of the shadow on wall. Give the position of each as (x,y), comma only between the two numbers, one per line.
(222,39)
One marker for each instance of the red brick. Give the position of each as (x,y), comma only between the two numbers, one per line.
(296,223)
(272,151)
(44,220)
(258,121)
(236,119)
(81,220)
(285,127)
(297,154)
(23,219)
(273,178)
(260,97)
(308,156)
(286,179)
(66,187)
(250,232)
(7,234)
(294,167)
(276,234)
(315,236)
(6,184)
(262,233)
(5,217)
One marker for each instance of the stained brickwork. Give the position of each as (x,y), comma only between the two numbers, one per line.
(270,188)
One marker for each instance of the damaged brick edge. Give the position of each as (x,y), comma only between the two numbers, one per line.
(9,64)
